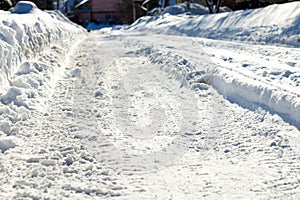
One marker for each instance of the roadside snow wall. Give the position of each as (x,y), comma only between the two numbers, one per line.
(24,36)
(251,94)
(272,25)
(275,24)
(33,50)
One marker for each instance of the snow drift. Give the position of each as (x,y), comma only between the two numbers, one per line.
(272,25)
(275,24)
(30,44)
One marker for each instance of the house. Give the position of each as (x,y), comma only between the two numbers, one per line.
(100,11)
(106,11)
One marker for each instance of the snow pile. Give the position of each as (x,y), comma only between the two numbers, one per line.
(275,24)
(272,91)
(195,9)
(247,81)
(261,79)
(31,45)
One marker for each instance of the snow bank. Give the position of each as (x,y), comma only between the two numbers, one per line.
(195,9)
(272,25)
(244,81)
(251,93)
(32,43)
(275,24)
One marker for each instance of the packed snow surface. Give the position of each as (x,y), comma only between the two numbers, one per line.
(183,105)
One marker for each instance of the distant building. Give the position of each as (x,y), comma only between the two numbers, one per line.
(100,11)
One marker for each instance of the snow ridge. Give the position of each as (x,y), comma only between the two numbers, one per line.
(30,58)
(275,24)
(254,95)
(247,91)
(249,83)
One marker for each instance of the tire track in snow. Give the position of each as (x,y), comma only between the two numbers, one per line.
(247,154)
(152,112)
(156,109)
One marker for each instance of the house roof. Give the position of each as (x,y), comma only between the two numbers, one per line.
(81,3)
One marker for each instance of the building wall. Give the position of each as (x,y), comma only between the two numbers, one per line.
(101,11)
(105,10)
(82,13)
(84,17)
(105,5)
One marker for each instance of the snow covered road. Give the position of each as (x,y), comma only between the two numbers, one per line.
(139,115)
(226,152)
(89,142)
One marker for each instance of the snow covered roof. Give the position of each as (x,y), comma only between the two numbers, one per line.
(81,3)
